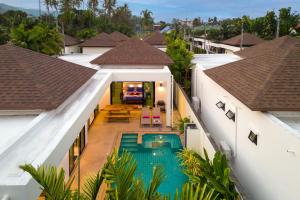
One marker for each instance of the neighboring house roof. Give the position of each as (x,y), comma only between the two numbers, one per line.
(268,79)
(35,81)
(118,37)
(101,40)
(248,40)
(70,41)
(156,38)
(133,52)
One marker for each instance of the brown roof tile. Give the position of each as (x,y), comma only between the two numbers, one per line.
(101,40)
(133,52)
(156,38)
(118,37)
(268,79)
(34,81)
(248,40)
(70,41)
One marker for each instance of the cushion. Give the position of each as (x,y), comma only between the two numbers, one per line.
(146,117)
(156,117)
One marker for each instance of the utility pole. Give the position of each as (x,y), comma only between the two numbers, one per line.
(242,36)
(278,27)
(40,8)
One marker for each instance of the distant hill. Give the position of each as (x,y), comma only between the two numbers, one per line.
(32,12)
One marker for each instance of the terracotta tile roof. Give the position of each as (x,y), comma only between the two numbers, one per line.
(133,52)
(248,40)
(101,40)
(268,79)
(118,37)
(156,38)
(70,41)
(34,81)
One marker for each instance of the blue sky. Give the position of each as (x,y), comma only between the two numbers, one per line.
(168,9)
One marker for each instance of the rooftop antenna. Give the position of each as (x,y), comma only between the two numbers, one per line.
(242,36)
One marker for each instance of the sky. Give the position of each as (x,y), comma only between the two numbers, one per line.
(166,10)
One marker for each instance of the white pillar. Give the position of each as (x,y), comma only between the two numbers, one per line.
(168,102)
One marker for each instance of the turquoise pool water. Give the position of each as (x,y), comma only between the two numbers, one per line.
(156,149)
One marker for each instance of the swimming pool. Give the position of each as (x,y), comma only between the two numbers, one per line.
(156,149)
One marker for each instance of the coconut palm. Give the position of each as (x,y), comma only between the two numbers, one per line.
(109,6)
(118,173)
(147,20)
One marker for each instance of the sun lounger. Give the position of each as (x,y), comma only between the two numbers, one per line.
(145,117)
(156,117)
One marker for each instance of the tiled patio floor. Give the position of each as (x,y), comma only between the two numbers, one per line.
(102,138)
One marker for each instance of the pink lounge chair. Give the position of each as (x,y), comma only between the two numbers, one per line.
(145,117)
(156,117)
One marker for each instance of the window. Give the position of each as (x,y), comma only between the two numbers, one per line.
(230,115)
(221,105)
(252,137)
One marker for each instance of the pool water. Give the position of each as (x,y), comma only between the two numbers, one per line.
(156,149)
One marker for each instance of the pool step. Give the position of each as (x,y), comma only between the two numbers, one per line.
(129,135)
(129,145)
(129,149)
(125,140)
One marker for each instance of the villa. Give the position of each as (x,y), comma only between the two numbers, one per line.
(70,45)
(249,103)
(51,108)
(228,46)
(98,44)
(157,40)
(118,37)
(72,111)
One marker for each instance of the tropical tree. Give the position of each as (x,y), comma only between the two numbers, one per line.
(40,38)
(147,20)
(93,4)
(215,173)
(109,6)
(182,57)
(122,20)
(288,20)
(269,24)
(196,192)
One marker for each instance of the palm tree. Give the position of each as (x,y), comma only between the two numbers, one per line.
(93,4)
(147,19)
(109,6)
(118,172)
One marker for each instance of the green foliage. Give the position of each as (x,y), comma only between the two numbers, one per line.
(287,20)
(196,192)
(182,57)
(40,38)
(119,175)
(86,33)
(215,173)
(181,122)
(147,20)
(52,182)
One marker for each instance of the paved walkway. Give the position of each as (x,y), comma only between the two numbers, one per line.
(103,137)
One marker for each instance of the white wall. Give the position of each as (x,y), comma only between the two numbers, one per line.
(64,164)
(72,49)
(185,110)
(160,92)
(267,171)
(105,100)
(95,50)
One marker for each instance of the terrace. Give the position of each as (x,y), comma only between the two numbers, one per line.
(104,136)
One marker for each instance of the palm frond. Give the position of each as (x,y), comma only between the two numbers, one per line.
(51,181)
